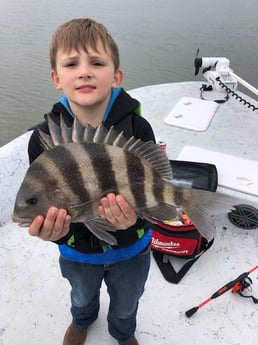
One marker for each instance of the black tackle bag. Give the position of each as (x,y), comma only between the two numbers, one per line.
(183,241)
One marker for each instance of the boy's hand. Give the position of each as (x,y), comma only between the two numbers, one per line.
(54,226)
(117,211)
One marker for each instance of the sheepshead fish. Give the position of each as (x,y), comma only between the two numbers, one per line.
(82,164)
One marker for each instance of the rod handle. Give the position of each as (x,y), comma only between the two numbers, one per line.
(191,311)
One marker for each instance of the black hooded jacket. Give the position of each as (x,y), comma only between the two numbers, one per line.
(124,116)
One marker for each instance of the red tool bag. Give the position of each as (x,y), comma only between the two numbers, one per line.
(183,241)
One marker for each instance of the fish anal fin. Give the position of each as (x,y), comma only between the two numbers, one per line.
(161,212)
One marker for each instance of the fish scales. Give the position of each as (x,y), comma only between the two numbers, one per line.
(102,167)
(59,173)
(75,175)
(136,178)
(68,169)
(88,170)
(158,192)
(120,161)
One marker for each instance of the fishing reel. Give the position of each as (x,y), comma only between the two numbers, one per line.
(242,285)
(216,71)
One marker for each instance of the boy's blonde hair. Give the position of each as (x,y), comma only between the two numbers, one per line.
(82,33)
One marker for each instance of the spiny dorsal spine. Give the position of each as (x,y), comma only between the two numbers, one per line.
(60,135)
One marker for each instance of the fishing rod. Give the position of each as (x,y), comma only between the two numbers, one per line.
(237,285)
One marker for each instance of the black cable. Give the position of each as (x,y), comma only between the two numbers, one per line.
(234,94)
(209,88)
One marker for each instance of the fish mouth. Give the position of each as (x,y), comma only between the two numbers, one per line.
(22,222)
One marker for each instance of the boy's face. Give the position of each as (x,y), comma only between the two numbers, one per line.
(86,78)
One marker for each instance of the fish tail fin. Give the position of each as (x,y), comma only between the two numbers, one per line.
(201,205)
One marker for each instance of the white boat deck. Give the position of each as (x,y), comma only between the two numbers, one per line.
(35,299)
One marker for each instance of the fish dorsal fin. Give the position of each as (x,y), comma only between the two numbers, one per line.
(152,153)
(58,135)
(63,134)
(77,130)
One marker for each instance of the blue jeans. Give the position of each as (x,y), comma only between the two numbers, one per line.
(125,283)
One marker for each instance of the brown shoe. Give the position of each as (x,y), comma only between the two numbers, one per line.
(134,341)
(75,336)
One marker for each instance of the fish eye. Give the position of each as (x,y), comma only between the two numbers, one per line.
(32,201)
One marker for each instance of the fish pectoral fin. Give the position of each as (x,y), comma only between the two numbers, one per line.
(99,228)
(161,212)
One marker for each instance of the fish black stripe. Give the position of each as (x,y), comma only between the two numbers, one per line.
(136,178)
(37,169)
(158,188)
(178,196)
(102,166)
(66,163)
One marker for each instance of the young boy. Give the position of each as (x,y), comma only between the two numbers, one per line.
(85,66)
